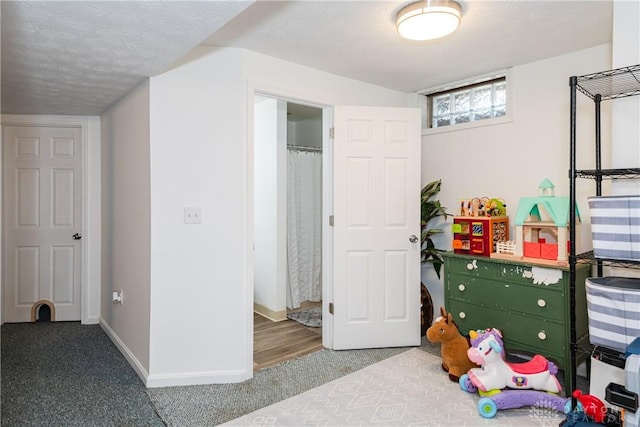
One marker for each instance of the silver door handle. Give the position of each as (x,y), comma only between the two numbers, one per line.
(413,238)
(77,236)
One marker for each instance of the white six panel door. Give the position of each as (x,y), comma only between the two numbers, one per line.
(376,213)
(42,211)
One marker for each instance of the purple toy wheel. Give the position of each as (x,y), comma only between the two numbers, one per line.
(466,384)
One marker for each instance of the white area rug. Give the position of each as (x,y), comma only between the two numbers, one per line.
(409,389)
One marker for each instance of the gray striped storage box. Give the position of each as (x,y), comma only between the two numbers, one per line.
(613,308)
(615,227)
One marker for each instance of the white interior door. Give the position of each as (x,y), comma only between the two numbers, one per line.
(42,212)
(376,261)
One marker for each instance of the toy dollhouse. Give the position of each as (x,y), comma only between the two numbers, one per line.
(542,227)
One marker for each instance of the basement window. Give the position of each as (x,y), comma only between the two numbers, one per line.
(469,103)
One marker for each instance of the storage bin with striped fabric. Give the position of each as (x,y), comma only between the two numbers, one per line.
(613,308)
(615,227)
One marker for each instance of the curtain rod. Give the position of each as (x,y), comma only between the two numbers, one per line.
(298,147)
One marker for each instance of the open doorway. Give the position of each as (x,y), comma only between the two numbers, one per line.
(287,230)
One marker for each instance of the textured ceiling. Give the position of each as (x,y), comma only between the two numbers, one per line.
(79,57)
(358,39)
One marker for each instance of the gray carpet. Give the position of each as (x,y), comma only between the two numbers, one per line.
(67,374)
(207,405)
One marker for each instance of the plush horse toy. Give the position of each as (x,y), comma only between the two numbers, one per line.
(487,350)
(454,346)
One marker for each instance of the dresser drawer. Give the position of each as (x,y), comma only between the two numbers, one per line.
(471,266)
(537,301)
(539,276)
(519,331)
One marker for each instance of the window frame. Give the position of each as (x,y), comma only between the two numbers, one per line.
(428,95)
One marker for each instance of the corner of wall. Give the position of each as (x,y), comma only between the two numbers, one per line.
(128,354)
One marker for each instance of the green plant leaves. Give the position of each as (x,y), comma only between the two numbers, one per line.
(430,210)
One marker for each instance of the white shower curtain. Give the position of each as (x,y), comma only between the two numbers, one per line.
(304,239)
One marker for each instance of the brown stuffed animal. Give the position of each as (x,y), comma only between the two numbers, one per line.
(454,346)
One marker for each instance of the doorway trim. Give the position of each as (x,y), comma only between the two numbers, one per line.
(91,205)
(327,208)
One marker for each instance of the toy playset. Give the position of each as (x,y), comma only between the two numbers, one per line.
(482,223)
(541,236)
(541,229)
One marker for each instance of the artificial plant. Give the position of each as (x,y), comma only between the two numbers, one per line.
(430,210)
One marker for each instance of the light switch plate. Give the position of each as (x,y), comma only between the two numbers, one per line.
(192,215)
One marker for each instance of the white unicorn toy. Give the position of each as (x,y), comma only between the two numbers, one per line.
(487,350)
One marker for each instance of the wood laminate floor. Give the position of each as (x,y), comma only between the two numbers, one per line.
(275,342)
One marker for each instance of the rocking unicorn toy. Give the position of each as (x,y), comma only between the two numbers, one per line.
(504,385)
(487,350)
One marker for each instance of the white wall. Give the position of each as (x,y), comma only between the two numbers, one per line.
(201,123)
(307,132)
(270,204)
(125,225)
(625,126)
(198,272)
(92,246)
(509,160)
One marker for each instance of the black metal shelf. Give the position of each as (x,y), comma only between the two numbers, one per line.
(628,173)
(590,258)
(606,85)
(612,84)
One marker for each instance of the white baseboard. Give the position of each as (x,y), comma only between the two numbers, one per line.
(173,380)
(91,321)
(133,361)
(276,316)
(197,378)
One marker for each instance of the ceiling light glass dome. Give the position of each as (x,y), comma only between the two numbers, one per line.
(428,20)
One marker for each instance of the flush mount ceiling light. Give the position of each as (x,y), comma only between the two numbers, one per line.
(429,19)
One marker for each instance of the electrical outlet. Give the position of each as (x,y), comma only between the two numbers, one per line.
(192,215)
(116,296)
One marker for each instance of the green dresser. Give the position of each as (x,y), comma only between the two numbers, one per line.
(528,302)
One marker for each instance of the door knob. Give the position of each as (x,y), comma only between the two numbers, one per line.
(413,238)
(77,236)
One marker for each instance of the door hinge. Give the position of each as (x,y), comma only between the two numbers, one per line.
(331,220)
(332,132)
(330,308)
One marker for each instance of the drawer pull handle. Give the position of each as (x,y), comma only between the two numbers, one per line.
(462,315)
(542,303)
(461,287)
(542,335)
